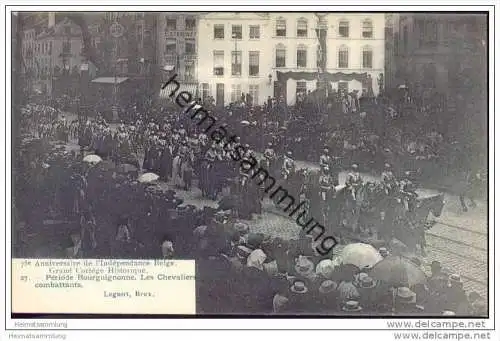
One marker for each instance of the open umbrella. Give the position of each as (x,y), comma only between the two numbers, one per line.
(398,272)
(245,123)
(361,255)
(148,177)
(93,159)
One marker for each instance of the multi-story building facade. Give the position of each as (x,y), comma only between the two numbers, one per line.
(57,53)
(391,50)
(344,50)
(440,53)
(442,58)
(235,56)
(177,47)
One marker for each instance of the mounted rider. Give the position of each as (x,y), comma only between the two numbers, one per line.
(354,181)
(269,153)
(389,180)
(288,165)
(408,191)
(269,157)
(210,155)
(325,183)
(325,160)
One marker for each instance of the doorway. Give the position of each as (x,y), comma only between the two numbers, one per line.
(219,95)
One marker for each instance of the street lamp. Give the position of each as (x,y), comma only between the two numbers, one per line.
(116,31)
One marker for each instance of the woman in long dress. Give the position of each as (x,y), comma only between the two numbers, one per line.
(176,171)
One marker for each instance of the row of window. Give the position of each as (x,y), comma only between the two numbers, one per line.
(236,63)
(342,57)
(42,48)
(189,24)
(171,46)
(236,92)
(253,91)
(301,32)
(280,61)
(29,35)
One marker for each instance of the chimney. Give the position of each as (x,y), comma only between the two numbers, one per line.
(52,19)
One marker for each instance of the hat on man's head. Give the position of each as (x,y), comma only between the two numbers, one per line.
(405,296)
(387,166)
(448,313)
(354,166)
(327,286)
(352,306)
(455,279)
(299,287)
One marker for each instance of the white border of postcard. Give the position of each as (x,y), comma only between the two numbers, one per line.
(244,323)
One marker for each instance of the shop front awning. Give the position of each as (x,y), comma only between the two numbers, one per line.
(191,88)
(109,80)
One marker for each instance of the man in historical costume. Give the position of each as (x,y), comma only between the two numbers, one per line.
(389,180)
(81,186)
(208,164)
(325,160)
(244,205)
(354,181)
(177,166)
(88,232)
(288,165)
(269,152)
(408,191)
(165,160)
(203,138)
(187,168)
(326,191)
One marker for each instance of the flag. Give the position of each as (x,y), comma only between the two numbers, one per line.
(322,48)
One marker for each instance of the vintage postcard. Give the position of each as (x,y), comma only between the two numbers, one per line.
(264,162)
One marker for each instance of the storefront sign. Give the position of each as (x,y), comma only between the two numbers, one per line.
(180,34)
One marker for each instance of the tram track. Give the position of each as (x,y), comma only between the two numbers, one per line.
(457,242)
(460,227)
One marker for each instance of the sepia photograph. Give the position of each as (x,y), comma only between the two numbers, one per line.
(315,164)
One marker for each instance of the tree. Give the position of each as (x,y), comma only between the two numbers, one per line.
(89,52)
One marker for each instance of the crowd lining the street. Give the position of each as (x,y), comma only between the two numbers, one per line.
(109,214)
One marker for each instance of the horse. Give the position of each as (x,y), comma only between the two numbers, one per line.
(352,206)
(413,224)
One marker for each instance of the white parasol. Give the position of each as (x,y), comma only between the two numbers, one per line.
(361,255)
(93,159)
(148,177)
(246,123)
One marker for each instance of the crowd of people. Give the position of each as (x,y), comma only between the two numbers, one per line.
(111,214)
